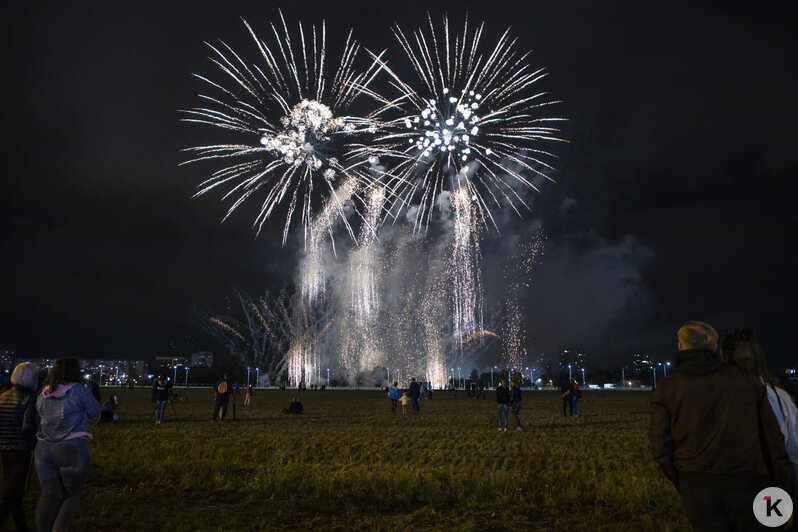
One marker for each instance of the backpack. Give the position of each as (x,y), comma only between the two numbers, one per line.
(222,387)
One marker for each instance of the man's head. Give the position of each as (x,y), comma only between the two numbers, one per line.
(697,335)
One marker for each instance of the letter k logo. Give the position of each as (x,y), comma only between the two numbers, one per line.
(772,506)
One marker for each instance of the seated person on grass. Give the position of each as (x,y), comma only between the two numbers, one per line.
(295,407)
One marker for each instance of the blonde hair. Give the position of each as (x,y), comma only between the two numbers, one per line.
(26,374)
(698,335)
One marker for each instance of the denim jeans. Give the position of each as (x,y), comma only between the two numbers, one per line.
(503,416)
(160,408)
(415,403)
(516,411)
(573,402)
(63,468)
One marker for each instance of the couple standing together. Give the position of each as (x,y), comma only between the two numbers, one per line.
(506,399)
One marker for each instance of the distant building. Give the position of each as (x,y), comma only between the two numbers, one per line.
(641,364)
(579,362)
(203,358)
(564,360)
(169,363)
(542,365)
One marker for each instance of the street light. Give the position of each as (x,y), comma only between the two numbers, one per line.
(247,376)
(654,369)
(453,384)
(257,377)
(491,376)
(665,368)
(460,377)
(583,377)
(328,376)
(569,372)
(187,376)
(175,377)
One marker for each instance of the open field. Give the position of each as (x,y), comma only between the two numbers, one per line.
(349,464)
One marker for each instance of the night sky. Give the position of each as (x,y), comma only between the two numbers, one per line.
(675,196)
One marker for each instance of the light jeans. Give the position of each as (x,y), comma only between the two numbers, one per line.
(63,468)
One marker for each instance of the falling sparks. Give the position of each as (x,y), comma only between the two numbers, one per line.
(519,277)
(313,278)
(466,290)
(289,112)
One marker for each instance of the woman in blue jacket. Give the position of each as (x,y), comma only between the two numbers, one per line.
(65,408)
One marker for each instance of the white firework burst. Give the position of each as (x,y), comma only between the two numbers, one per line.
(473,118)
(289,112)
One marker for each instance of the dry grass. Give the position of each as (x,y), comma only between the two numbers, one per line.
(349,464)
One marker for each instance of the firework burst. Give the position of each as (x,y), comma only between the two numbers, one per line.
(289,112)
(474,119)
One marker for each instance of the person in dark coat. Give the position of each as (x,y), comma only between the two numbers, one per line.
(414,392)
(161,388)
(572,395)
(222,391)
(565,387)
(502,402)
(295,407)
(714,435)
(18,422)
(515,403)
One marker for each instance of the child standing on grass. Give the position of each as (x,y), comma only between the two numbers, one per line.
(393,395)
(405,401)
(248,395)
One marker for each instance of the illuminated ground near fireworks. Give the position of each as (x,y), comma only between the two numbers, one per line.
(348,464)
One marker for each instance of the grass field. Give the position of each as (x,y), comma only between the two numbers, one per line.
(347,463)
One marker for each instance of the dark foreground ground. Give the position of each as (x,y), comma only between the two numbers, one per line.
(348,463)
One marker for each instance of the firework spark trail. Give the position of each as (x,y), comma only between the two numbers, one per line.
(364,262)
(360,349)
(435,367)
(289,112)
(308,325)
(312,271)
(466,289)
(474,120)
(513,332)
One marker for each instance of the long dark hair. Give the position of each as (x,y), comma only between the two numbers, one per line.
(745,352)
(64,371)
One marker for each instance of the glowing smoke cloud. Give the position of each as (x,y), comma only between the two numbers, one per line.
(313,279)
(289,112)
(360,349)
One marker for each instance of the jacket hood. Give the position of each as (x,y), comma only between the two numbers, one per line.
(698,362)
(59,392)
